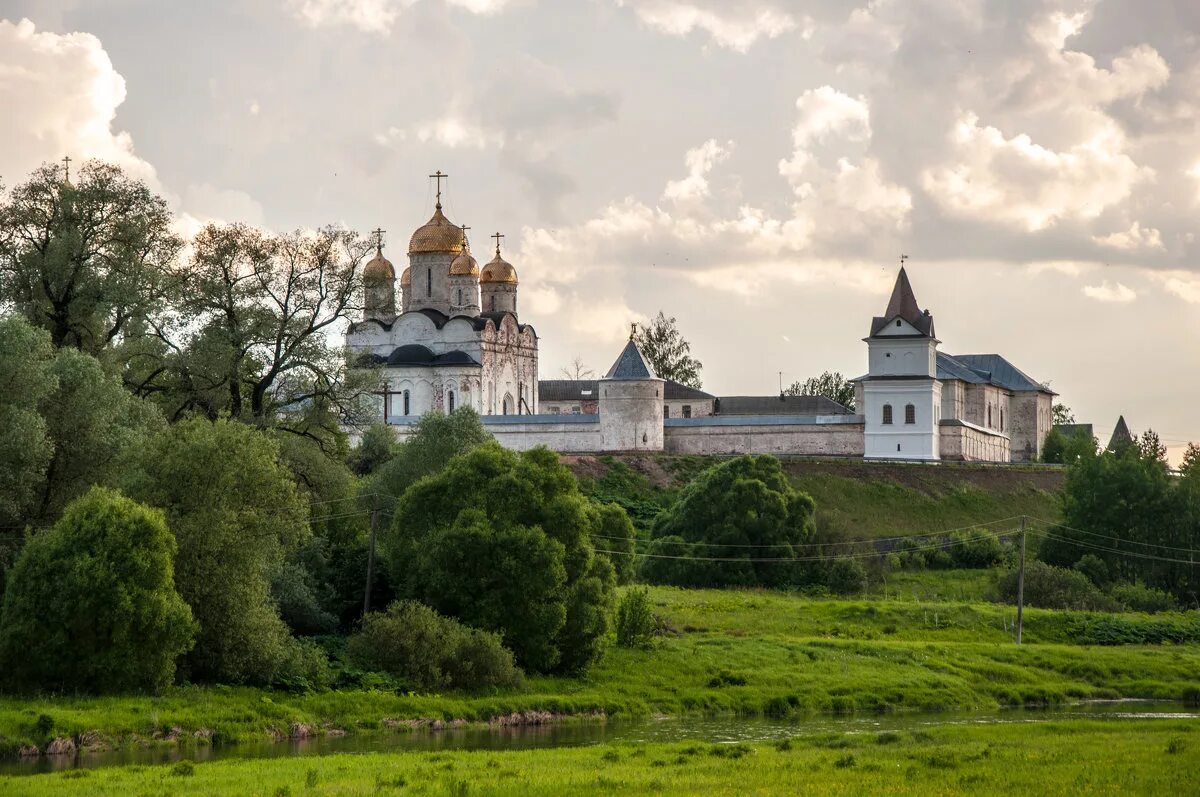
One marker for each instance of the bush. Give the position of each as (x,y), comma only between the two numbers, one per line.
(635,620)
(502,541)
(846,576)
(912,553)
(1050,587)
(615,532)
(975,548)
(427,651)
(1094,568)
(91,604)
(745,508)
(1141,598)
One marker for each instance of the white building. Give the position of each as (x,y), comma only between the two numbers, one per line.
(458,342)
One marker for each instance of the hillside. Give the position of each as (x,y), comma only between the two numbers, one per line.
(855,499)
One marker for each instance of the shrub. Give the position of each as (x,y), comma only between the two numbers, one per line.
(1050,587)
(615,532)
(912,553)
(502,541)
(635,620)
(746,503)
(415,644)
(1094,568)
(846,576)
(1141,598)
(91,604)
(975,548)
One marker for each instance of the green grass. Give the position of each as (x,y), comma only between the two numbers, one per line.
(796,657)
(936,586)
(1068,757)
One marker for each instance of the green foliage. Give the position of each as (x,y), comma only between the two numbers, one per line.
(236,514)
(502,541)
(1050,587)
(428,652)
(436,440)
(1141,598)
(668,353)
(831,384)
(975,548)
(91,604)
(1094,568)
(614,532)
(846,576)
(630,490)
(635,620)
(746,503)
(378,445)
(1062,414)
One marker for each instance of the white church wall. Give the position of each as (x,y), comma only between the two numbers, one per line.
(899,439)
(789,436)
(963,441)
(631,416)
(902,357)
(1032,414)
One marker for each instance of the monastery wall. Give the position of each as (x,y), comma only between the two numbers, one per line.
(966,442)
(836,435)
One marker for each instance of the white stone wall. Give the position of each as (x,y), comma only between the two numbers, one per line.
(1032,416)
(499,297)
(835,440)
(900,440)
(965,442)
(430,281)
(464,295)
(902,356)
(988,406)
(510,366)
(631,416)
(700,408)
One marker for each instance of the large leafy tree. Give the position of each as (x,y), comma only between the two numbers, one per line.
(502,541)
(668,352)
(831,384)
(91,604)
(726,521)
(88,258)
(254,333)
(236,513)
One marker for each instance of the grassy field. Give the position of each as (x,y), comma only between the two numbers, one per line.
(1068,757)
(742,652)
(855,499)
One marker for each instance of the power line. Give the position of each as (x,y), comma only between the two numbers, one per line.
(1116,539)
(1117,550)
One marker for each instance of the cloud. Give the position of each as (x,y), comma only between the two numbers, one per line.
(823,113)
(732,24)
(1135,238)
(374,16)
(1107,291)
(700,161)
(1183,284)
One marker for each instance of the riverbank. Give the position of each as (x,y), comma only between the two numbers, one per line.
(726,652)
(1070,757)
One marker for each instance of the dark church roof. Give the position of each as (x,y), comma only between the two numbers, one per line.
(779,405)
(415,354)
(1120,436)
(589,390)
(903,304)
(631,364)
(987,369)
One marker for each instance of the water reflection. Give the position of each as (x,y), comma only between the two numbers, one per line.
(711,730)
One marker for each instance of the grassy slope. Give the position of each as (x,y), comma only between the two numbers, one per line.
(795,655)
(1069,757)
(857,499)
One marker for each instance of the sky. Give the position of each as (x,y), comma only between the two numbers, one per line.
(753,168)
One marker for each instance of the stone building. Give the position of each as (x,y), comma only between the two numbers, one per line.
(457,341)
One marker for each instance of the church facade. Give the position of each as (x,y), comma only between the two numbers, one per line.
(452,338)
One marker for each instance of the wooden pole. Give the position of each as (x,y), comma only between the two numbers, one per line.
(1021,582)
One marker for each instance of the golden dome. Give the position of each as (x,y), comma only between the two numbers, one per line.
(406,277)
(379,268)
(464,265)
(499,270)
(436,235)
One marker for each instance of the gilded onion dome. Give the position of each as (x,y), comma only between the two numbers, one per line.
(436,235)
(379,267)
(406,277)
(499,270)
(464,265)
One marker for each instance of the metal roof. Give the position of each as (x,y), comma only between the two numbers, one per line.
(631,364)
(574,390)
(999,371)
(779,405)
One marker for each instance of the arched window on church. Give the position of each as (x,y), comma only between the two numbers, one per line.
(507,404)
(493,303)
(406,405)
(450,400)
(1002,419)
(429,282)
(910,413)
(887,414)
(989,416)
(460,297)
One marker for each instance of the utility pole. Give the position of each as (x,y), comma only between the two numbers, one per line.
(1021,582)
(371,556)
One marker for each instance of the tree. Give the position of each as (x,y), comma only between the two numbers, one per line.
(436,439)
(1152,447)
(91,604)
(831,384)
(253,336)
(501,541)
(614,532)
(577,371)
(725,521)
(236,514)
(377,446)
(669,354)
(1062,415)
(85,259)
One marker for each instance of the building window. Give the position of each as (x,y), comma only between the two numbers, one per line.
(492,302)
(910,413)
(1002,419)
(897,322)
(460,296)
(576,410)
(687,410)
(406,407)
(450,400)
(666,411)
(989,416)
(429,282)
(887,414)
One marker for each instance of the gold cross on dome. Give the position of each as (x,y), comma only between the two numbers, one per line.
(378,233)
(66,168)
(497,236)
(439,177)
(464,229)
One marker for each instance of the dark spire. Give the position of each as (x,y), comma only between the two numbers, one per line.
(631,364)
(903,304)
(1120,436)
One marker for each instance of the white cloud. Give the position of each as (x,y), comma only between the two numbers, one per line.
(455,133)
(700,161)
(374,16)
(64,91)
(1184,284)
(732,24)
(1135,238)
(824,113)
(1106,291)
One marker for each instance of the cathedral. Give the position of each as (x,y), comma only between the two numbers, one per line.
(454,339)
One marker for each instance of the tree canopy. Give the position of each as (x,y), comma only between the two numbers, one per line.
(501,541)
(91,604)
(668,352)
(831,384)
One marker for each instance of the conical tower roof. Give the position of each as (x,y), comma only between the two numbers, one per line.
(1121,435)
(631,364)
(903,304)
